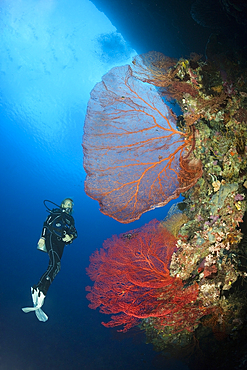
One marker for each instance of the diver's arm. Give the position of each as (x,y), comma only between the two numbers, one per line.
(70,231)
(45,228)
(73,231)
(49,220)
(41,241)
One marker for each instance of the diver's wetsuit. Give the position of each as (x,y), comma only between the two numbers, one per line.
(57,224)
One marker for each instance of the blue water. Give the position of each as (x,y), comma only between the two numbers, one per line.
(52,54)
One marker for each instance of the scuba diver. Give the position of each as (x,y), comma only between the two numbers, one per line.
(58,230)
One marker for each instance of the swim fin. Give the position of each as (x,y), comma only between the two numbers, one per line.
(41,316)
(38,301)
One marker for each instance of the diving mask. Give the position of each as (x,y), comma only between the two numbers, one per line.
(67,205)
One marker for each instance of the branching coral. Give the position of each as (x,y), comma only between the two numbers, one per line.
(132,281)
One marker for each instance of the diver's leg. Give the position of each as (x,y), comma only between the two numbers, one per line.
(54,265)
(39,291)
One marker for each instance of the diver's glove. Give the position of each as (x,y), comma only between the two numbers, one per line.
(41,245)
(41,242)
(67,238)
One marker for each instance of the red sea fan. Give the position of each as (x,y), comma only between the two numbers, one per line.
(131,278)
(132,148)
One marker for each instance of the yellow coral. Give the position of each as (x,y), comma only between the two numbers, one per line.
(217,89)
(216,185)
(238,205)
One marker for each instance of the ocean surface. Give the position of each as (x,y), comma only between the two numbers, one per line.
(52,53)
